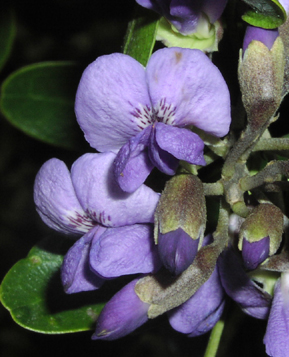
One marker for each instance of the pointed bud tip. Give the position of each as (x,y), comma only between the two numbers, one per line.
(122,314)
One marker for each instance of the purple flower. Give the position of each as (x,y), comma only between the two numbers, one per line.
(277,334)
(144,115)
(185,15)
(118,237)
(253,300)
(202,311)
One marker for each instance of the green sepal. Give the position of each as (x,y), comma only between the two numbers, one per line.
(7,34)
(265,220)
(39,100)
(182,205)
(268,14)
(141,35)
(33,293)
(203,38)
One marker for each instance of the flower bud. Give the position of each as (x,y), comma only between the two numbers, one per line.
(180,220)
(122,314)
(260,234)
(267,37)
(261,75)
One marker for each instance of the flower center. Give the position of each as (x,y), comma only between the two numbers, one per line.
(82,222)
(162,112)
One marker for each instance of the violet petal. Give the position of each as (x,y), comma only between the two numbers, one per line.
(149,4)
(267,37)
(110,92)
(56,201)
(255,253)
(209,322)
(285,4)
(192,87)
(177,250)
(214,9)
(76,274)
(100,196)
(201,312)
(184,15)
(125,250)
(132,164)
(276,337)
(122,314)
(183,144)
(253,300)
(163,160)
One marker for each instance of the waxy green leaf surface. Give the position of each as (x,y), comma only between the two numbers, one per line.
(39,100)
(33,293)
(268,14)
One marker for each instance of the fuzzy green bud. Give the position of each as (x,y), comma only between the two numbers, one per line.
(261,76)
(261,234)
(180,220)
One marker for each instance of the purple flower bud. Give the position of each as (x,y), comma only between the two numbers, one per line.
(265,36)
(261,75)
(177,250)
(180,220)
(123,313)
(260,234)
(254,253)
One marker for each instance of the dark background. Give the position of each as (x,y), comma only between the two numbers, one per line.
(78,30)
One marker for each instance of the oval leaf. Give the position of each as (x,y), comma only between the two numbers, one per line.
(39,100)
(7,34)
(141,35)
(268,14)
(33,294)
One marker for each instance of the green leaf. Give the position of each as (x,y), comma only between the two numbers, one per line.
(7,34)
(141,35)
(39,100)
(33,293)
(268,14)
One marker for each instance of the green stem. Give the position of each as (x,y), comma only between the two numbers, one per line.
(242,149)
(214,340)
(272,144)
(213,189)
(269,174)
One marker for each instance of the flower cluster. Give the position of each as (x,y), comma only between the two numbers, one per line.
(138,118)
(160,117)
